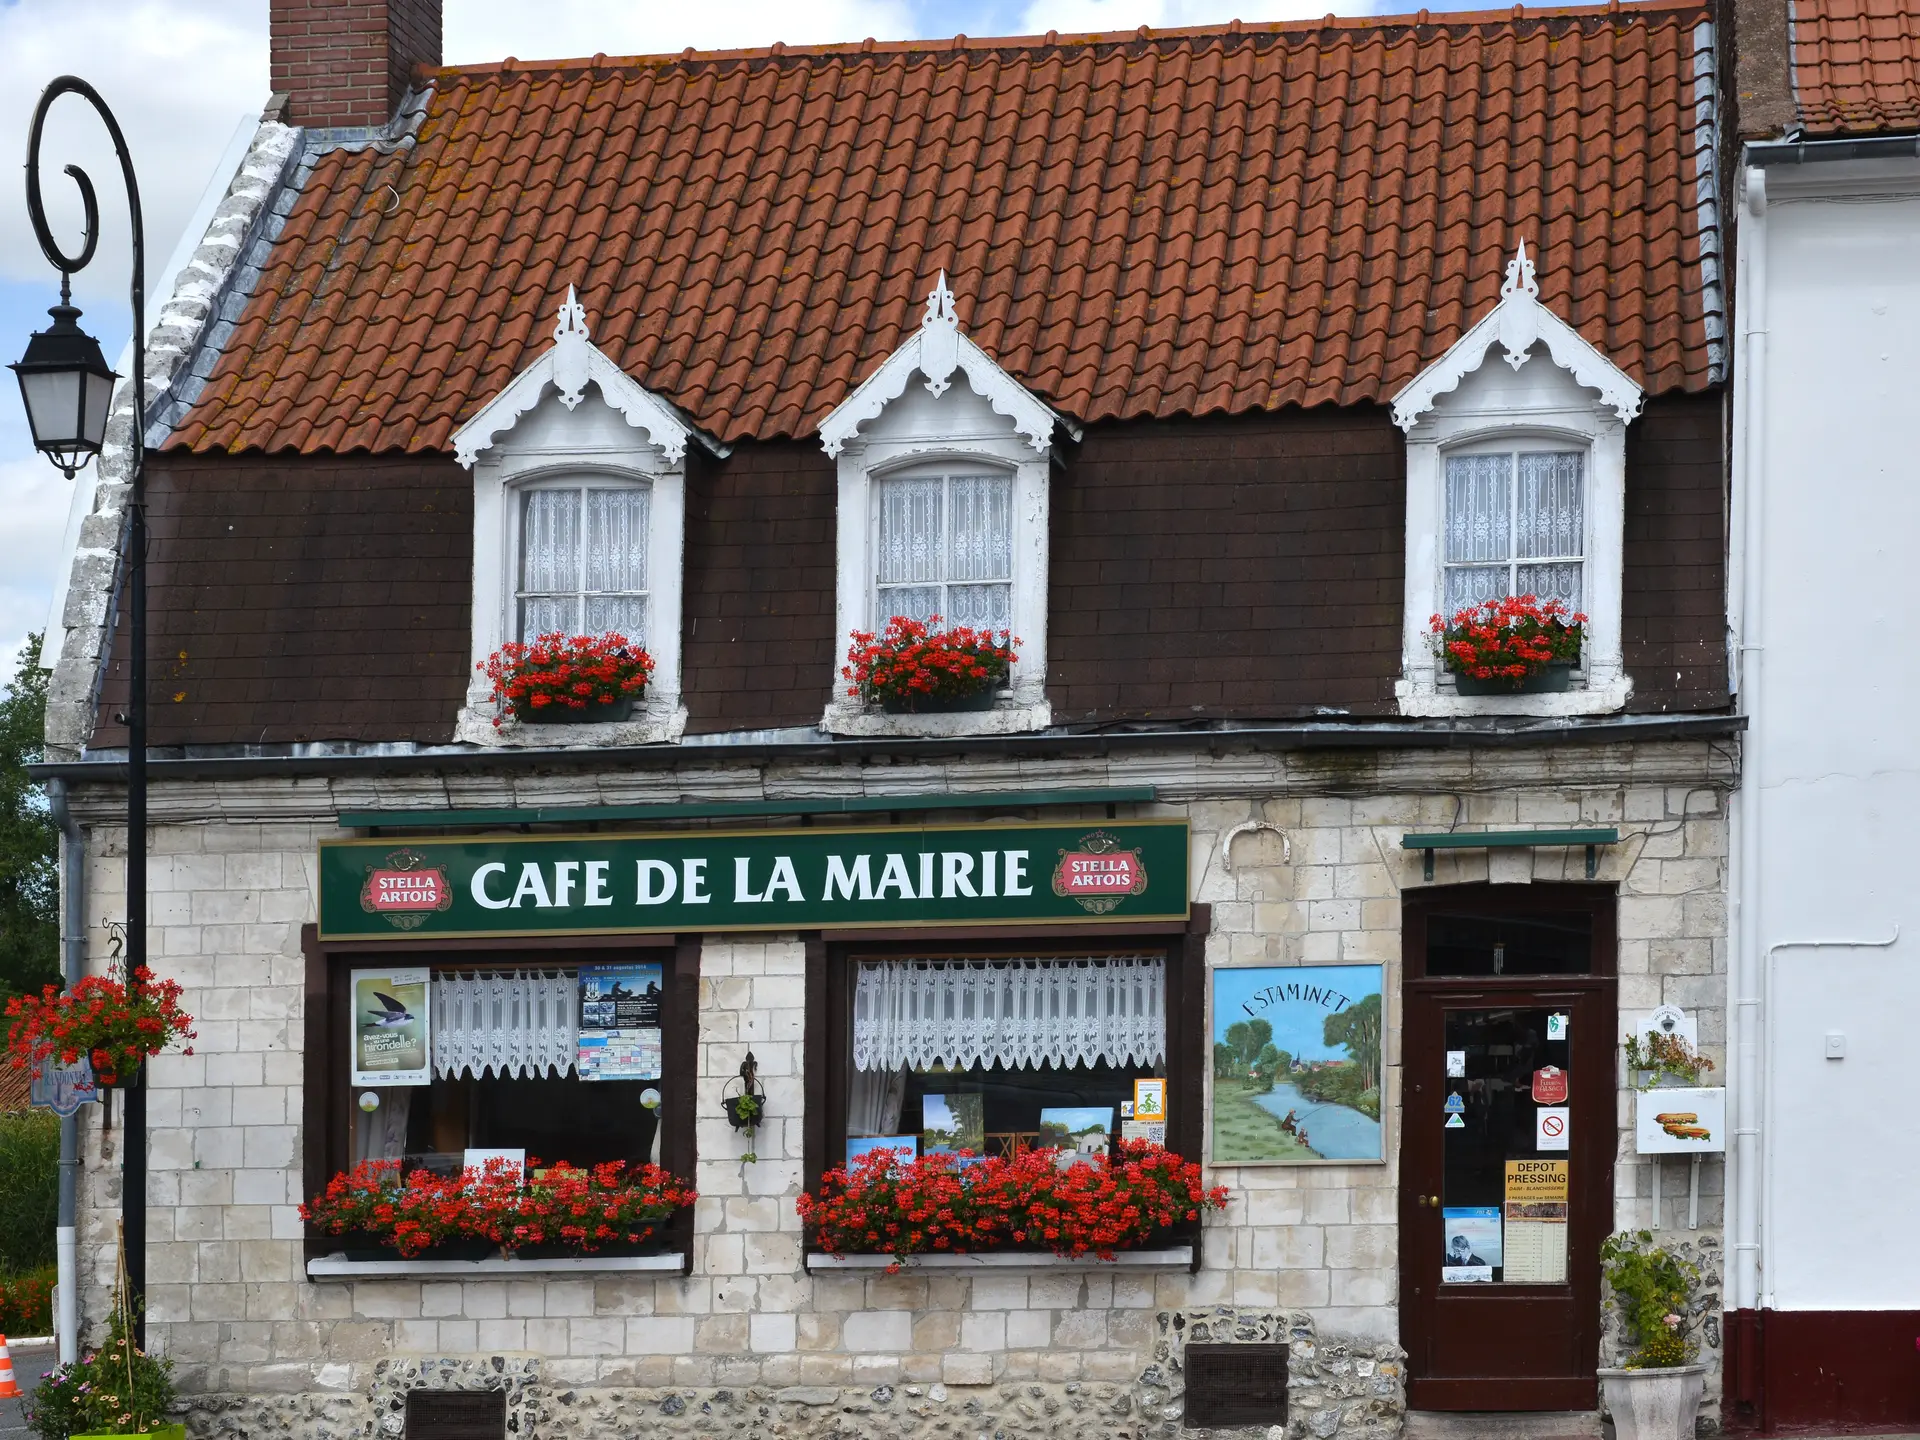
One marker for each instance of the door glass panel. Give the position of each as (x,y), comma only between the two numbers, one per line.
(1506,1177)
(1552,943)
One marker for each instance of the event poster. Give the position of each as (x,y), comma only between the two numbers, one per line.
(1297,1064)
(619,1022)
(1471,1234)
(392,1027)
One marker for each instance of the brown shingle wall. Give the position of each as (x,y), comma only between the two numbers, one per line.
(1674,608)
(758,619)
(1229,567)
(297,599)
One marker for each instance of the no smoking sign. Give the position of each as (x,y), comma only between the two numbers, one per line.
(1551,1127)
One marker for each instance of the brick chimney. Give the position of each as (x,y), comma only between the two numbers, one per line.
(349,62)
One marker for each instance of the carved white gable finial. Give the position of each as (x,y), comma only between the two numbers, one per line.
(1517,324)
(936,350)
(572,345)
(939,339)
(569,364)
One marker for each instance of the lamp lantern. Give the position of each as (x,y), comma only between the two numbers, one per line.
(67,386)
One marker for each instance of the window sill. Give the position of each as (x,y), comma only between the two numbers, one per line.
(1422,699)
(1014,715)
(1176,1257)
(656,726)
(338,1267)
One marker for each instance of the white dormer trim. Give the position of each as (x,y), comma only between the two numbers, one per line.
(935,351)
(1517,324)
(1581,402)
(537,433)
(568,365)
(886,428)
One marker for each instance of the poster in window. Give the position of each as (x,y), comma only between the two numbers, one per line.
(392,1027)
(1472,1237)
(619,1022)
(1298,1059)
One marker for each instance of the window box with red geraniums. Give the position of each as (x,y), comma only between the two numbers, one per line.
(613,1206)
(1515,645)
(911,668)
(954,1204)
(568,679)
(112,1026)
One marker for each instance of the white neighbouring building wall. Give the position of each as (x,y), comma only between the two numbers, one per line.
(1827,965)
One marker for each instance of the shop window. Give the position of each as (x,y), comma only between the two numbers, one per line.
(538,1057)
(1001,1055)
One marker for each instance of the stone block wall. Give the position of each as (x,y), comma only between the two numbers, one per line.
(749,1333)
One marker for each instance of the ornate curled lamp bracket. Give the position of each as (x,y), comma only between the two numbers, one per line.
(70,265)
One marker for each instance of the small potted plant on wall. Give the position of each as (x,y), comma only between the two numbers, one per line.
(746,1106)
(112,1026)
(1515,645)
(911,668)
(568,679)
(1654,1393)
(1664,1058)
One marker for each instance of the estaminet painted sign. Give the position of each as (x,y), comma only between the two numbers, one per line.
(753,880)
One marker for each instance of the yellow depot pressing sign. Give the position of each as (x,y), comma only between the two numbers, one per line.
(1533,1181)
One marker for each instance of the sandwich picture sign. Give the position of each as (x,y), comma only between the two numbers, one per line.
(708,880)
(1681,1121)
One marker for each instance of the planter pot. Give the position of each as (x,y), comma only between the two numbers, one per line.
(1553,679)
(734,1117)
(620,709)
(940,704)
(1654,1404)
(165,1432)
(446,1250)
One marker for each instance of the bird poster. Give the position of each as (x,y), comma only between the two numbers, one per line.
(392,1029)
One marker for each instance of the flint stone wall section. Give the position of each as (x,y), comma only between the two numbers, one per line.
(251,1337)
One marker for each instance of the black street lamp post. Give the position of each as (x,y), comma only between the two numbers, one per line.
(66,385)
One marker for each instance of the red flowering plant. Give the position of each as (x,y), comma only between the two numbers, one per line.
(1506,640)
(567,677)
(579,1210)
(913,666)
(954,1204)
(112,1025)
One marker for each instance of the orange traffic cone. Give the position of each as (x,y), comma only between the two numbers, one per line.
(9,1390)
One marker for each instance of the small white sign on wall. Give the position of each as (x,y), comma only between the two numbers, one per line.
(1681,1121)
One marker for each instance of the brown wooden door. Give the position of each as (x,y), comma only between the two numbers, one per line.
(1500,1291)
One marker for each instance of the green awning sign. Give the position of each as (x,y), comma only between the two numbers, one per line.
(704,880)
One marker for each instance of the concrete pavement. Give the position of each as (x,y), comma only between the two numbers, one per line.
(29,1363)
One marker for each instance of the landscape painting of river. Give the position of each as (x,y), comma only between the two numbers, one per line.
(1298,1056)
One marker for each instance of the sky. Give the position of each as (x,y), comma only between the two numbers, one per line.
(181,75)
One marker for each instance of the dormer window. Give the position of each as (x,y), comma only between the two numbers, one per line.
(1516,485)
(1515,525)
(578,525)
(583,560)
(943,511)
(945,548)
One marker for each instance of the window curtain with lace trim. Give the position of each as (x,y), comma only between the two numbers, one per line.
(1020,1014)
(518,1023)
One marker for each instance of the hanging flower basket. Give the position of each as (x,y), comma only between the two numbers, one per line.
(956,1203)
(1517,645)
(911,668)
(577,1211)
(114,1026)
(568,679)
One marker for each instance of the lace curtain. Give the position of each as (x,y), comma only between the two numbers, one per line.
(505,1022)
(946,549)
(1017,1013)
(583,562)
(1507,539)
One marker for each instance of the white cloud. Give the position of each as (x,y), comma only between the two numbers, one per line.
(478,31)
(33,513)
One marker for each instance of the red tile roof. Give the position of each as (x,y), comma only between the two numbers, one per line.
(1145,225)
(1856,65)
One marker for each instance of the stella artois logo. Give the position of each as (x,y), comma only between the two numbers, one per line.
(1099,875)
(405,890)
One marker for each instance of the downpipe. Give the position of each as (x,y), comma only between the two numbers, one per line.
(73,955)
